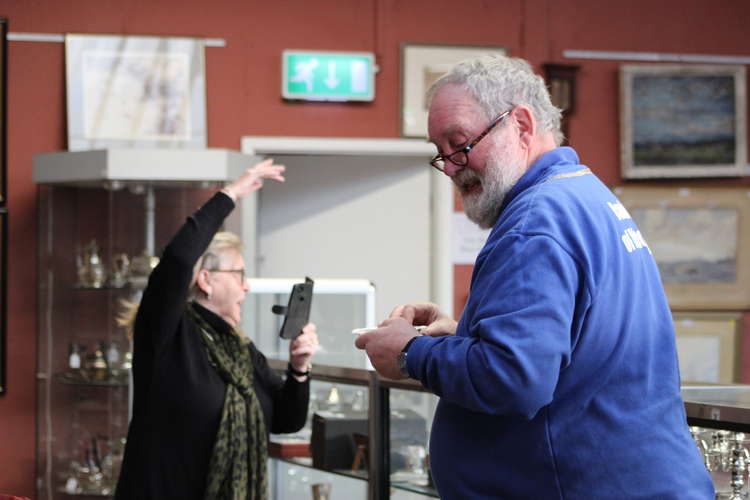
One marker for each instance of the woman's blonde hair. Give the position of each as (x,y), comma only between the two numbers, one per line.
(222,242)
(211,260)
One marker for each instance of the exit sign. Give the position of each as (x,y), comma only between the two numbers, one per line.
(328,76)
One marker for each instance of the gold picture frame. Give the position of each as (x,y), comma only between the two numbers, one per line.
(709,346)
(700,241)
(683,121)
(421,65)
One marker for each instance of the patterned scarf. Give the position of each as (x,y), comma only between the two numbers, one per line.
(237,470)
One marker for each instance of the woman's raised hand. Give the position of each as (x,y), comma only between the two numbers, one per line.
(252,179)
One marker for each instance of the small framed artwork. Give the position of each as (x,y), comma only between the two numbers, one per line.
(135,92)
(682,120)
(709,346)
(3,296)
(3,197)
(3,111)
(561,82)
(421,65)
(699,237)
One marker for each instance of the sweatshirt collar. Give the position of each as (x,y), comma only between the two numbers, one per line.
(551,163)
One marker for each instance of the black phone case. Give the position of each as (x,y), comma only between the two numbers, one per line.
(297,313)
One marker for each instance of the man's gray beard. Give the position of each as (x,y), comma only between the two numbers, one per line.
(499,178)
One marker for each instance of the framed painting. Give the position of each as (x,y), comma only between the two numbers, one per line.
(421,65)
(3,111)
(3,196)
(561,82)
(3,296)
(700,241)
(135,92)
(709,346)
(683,121)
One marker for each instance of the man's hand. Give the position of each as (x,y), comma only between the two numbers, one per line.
(426,313)
(384,344)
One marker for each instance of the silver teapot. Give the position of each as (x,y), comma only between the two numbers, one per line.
(90,269)
(140,269)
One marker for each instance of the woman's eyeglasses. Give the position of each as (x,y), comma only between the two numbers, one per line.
(240,272)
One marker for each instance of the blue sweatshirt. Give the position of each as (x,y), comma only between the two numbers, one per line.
(562,379)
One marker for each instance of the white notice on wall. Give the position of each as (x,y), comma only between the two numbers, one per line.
(468,239)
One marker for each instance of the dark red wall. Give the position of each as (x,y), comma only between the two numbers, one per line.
(243,98)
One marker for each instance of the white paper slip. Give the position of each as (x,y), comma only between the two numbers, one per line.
(360,331)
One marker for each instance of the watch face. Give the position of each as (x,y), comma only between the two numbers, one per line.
(401,361)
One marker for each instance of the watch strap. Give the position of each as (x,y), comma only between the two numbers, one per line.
(298,373)
(409,343)
(401,359)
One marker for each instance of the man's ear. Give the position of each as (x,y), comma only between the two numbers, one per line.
(526,123)
(203,281)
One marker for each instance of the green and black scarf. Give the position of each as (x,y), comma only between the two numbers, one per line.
(237,470)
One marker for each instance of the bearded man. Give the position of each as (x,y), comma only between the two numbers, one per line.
(560,381)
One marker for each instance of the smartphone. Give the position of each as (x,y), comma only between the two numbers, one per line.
(297,312)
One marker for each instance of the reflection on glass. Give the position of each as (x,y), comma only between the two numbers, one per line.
(294,482)
(321,491)
(411,420)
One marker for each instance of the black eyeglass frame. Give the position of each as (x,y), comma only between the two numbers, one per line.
(440,157)
(240,271)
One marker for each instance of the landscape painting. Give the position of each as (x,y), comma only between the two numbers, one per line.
(691,245)
(683,121)
(699,238)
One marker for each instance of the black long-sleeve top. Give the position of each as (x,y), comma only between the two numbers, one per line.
(178,396)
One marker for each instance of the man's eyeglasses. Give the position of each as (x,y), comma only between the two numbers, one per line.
(240,272)
(460,158)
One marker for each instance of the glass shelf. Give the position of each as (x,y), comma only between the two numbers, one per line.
(307,462)
(70,378)
(415,488)
(87,495)
(103,287)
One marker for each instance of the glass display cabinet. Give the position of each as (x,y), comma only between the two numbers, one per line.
(103,217)
(719,416)
(368,439)
(338,306)
(353,414)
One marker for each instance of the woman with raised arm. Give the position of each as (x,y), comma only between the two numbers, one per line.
(204,397)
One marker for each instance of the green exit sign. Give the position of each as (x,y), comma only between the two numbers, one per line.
(328,76)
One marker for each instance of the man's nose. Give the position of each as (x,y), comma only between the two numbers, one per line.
(450,169)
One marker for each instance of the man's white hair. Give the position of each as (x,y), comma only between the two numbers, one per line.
(498,83)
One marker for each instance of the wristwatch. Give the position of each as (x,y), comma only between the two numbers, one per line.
(401,359)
